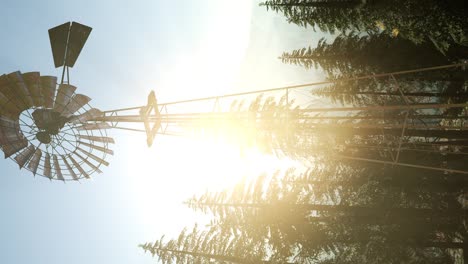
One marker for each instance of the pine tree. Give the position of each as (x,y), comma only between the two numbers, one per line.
(326,15)
(351,56)
(354,55)
(290,220)
(428,21)
(205,247)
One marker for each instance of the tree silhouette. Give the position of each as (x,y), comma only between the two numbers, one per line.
(209,247)
(353,54)
(433,21)
(291,217)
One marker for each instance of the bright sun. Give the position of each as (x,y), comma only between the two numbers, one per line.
(176,168)
(201,164)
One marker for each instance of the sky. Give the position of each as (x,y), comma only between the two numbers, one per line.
(181,50)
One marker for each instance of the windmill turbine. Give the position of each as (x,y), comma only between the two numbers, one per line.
(52,131)
(42,124)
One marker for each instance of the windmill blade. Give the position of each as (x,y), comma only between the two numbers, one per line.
(11,139)
(101,161)
(7,123)
(33,82)
(8,91)
(48,87)
(58,171)
(105,150)
(97,139)
(10,136)
(77,101)
(78,166)
(8,107)
(95,126)
(47,167)
(19,85)
(34,163)
(8,99)
(13,148)
(92,166)
(64,95)
(70,169)
(24,156)
(88,115)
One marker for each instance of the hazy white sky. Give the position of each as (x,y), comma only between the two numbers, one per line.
(180,49)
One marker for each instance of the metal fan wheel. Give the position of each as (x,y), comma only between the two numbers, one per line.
(49,130)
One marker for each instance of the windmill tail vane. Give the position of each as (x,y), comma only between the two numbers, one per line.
(52,131)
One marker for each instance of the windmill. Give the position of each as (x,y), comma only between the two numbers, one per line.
(43,125)
(52,131)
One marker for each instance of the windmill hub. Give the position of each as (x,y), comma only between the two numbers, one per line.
(43,137)
(49,122)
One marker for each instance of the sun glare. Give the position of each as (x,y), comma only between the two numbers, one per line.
(176,168)
(210,67)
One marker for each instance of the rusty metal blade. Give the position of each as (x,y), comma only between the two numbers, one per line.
(77,101)
(108,151)
(34,163)
(14,147)
(7,123)
(24,156)
(8,100)
(88,115)
(11,139)
(78,166)
(70,169)
(101,161)
(18,85)
(47,167)
(33,82)
(95,126)
(64,95)
(8,107)
(92,166)
(8,90)
(48,87)
(97,139)
(58,171)
(10,136)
